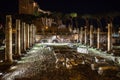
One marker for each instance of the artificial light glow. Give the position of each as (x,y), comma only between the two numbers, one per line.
(118,31)
(75,36)
(46,27)
(34,4)
(73,14)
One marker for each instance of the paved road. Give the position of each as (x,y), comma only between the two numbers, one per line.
(53,63)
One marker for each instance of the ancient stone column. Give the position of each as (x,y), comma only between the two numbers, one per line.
(98,38)
(17,47)
(34,34)
(27,36)
(8,38)
(78,32)
(85,34)
(24,37)
(21,37)
(81,35)
(91,35)
(30,35)
(109,46)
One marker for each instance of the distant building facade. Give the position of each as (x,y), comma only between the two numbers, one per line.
(27,7)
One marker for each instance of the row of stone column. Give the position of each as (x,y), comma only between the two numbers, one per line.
(84,37)
(24,38)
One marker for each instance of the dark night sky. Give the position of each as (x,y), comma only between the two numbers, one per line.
(66,6)
(80,6)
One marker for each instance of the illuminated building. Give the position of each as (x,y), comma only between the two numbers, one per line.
(27,7)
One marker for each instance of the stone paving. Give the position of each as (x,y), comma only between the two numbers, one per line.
(41,63)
